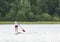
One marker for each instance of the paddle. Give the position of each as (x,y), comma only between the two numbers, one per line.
(22,28)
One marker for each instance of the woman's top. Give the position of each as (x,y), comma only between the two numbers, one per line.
(16,23)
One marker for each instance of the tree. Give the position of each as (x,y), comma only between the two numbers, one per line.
(55,18)
(45,17)
(37,17)
(21,16)
(0,17)
(30,16)
(30,10)
(11,15)
(52,5)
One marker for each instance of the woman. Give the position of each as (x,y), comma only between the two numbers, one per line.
(16,26)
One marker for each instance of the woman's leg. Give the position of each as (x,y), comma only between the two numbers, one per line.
(16,29)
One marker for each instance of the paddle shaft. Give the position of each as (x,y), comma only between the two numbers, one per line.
(22,28)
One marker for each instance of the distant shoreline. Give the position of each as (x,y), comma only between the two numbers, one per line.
(42,22)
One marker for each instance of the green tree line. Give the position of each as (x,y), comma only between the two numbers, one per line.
(30,10)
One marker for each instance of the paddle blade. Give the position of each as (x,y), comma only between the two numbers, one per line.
(23,30)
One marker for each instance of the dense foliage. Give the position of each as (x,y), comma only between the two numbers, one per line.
(30,10)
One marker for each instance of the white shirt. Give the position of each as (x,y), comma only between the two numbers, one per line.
(16,22)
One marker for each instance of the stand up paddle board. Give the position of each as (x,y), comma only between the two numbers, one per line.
(18,33)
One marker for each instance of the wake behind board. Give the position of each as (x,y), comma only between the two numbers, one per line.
(18,33)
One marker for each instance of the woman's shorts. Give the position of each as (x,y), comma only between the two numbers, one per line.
(16,25)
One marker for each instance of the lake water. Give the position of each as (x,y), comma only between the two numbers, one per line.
(34,33)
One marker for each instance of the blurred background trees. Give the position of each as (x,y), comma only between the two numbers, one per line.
(30,10)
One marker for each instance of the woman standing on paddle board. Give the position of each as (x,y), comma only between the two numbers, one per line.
(16,26)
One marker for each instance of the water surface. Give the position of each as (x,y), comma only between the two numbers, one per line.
(34,33)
